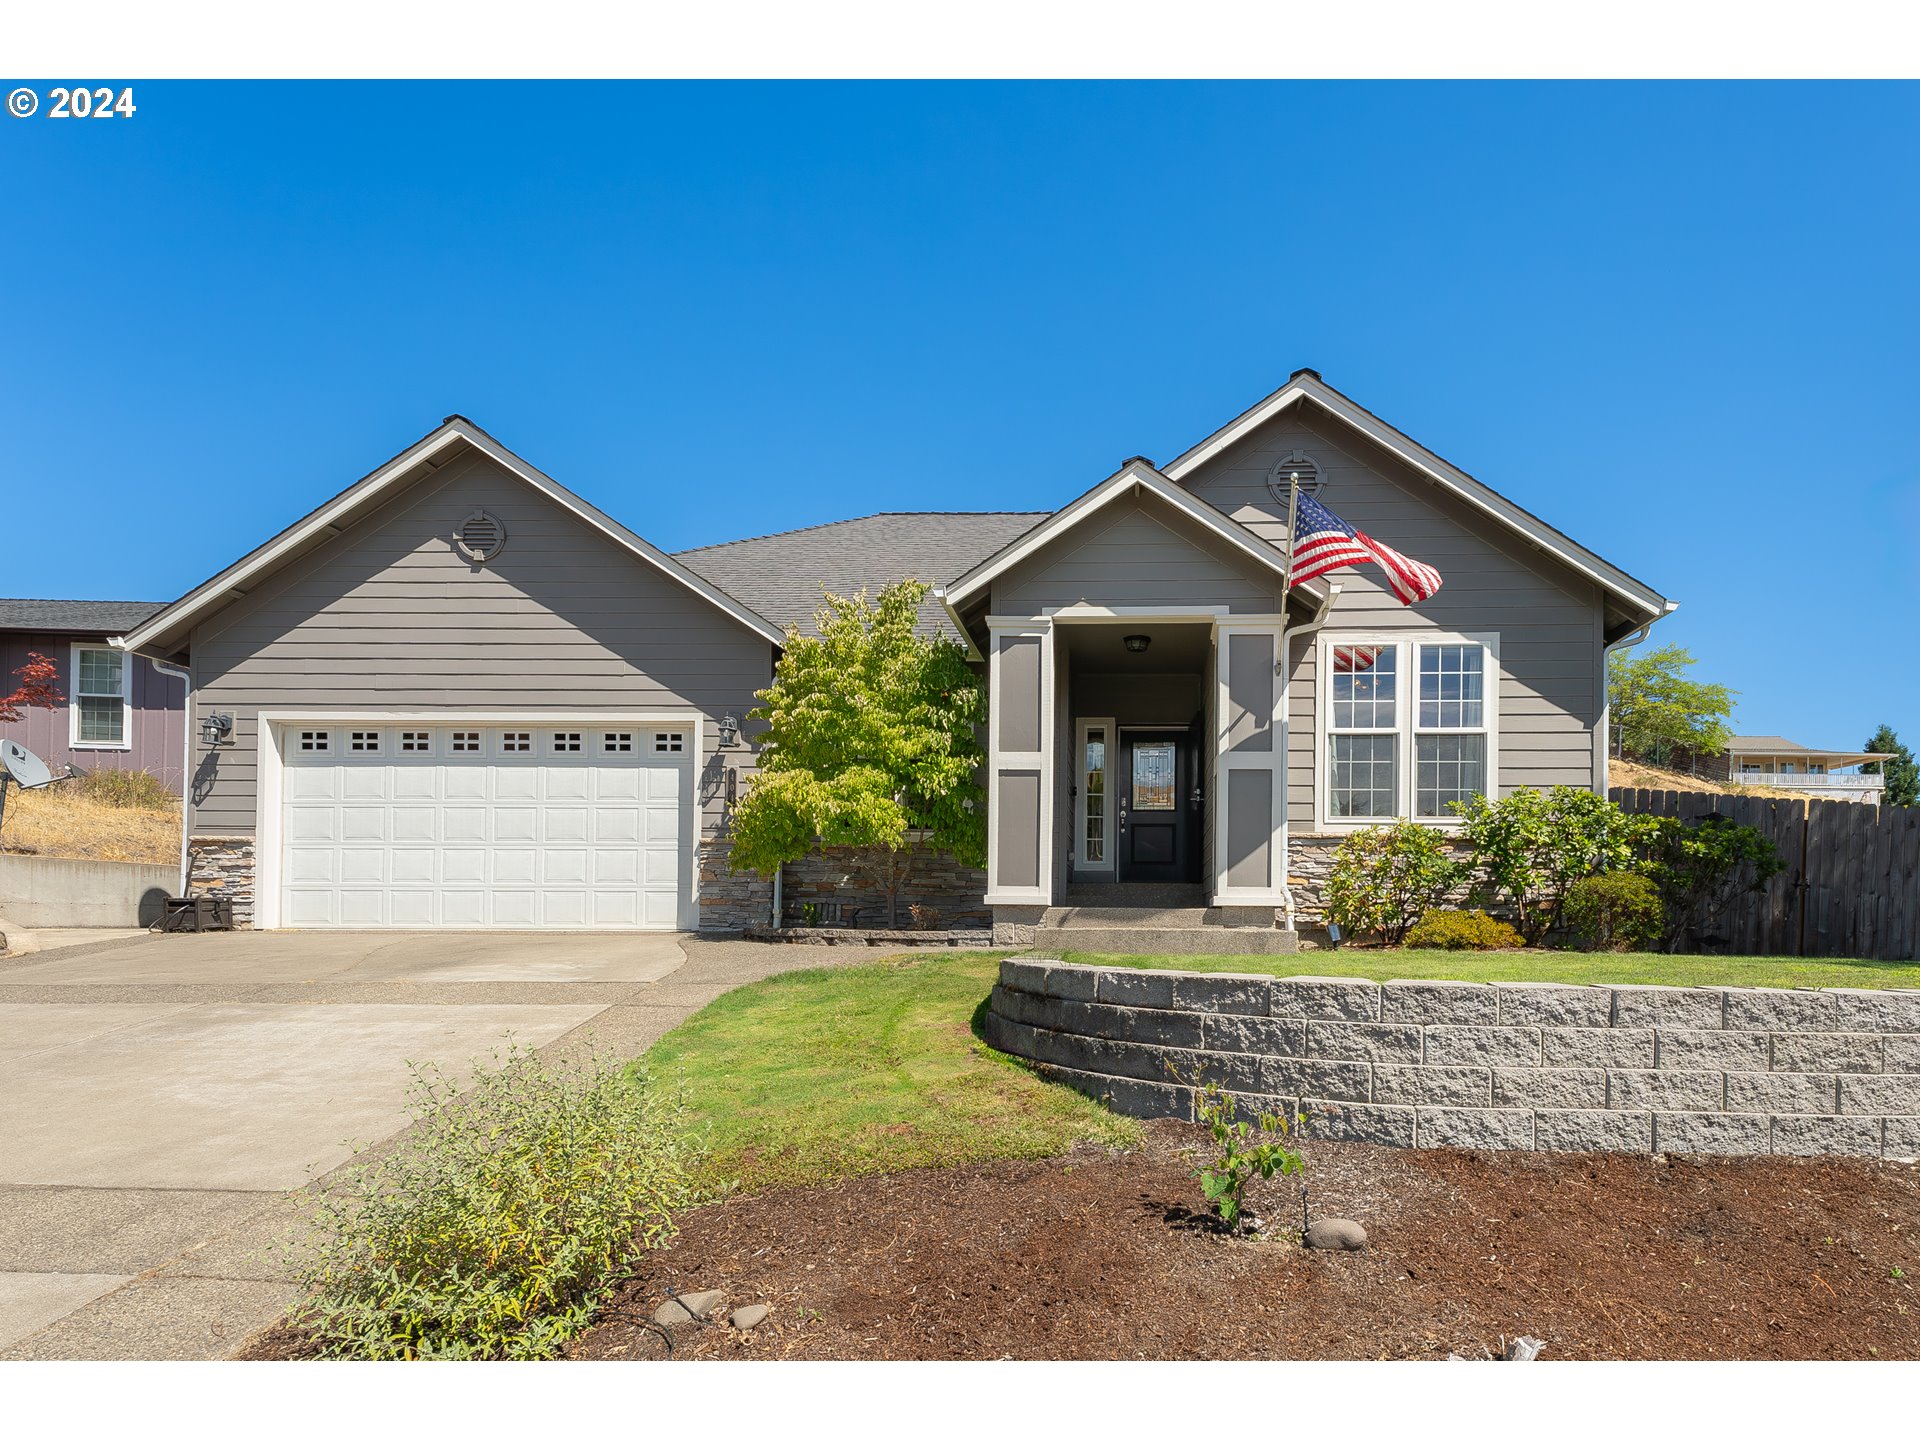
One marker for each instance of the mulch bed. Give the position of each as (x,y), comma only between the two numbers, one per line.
(1095,1256)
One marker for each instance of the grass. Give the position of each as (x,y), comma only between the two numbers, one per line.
(818,1075)
(1570,967)
(63,822)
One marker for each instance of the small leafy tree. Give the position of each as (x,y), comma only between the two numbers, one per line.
(871,743)
(1700,868)
(1384,878)
(37,688)
(1903,775)
(1534,844)
(1224,1177)
(1657,709)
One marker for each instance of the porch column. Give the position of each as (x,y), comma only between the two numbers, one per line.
(1250,764)
(1020,723)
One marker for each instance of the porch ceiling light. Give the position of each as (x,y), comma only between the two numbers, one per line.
(1137,643)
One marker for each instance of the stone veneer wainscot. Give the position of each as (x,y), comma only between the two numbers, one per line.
(1506,1066)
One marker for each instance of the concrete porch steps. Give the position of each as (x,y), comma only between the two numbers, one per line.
(1165,940)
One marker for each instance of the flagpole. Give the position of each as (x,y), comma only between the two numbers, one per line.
(1283,667)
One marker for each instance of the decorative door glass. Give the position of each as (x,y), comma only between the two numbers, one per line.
(1153,787)
(1094,779)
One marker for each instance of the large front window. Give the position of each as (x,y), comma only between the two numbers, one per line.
(1364,739)
(99,697)
(1408,726)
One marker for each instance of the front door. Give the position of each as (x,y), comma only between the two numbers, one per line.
(1156,803)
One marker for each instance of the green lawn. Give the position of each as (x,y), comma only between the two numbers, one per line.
(1568,966)
(817,1075)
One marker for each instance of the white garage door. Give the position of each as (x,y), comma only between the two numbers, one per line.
(481,827)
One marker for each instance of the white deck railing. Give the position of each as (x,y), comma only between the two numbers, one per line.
(1810,782)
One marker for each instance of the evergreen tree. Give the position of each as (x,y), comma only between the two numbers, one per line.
(1903,775)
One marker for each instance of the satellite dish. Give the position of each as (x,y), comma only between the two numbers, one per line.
(28,770)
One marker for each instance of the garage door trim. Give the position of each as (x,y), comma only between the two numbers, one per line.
(271,766)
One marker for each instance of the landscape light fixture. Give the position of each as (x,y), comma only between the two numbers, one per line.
(1137,644)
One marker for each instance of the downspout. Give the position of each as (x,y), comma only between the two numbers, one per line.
(1287,634)
(186,766)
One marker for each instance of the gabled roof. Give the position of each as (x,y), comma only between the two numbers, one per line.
(1136,476)
(77,617)
(781,576)
(429,453)
(1306,385)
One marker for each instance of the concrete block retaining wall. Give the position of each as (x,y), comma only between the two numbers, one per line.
(1499,1067)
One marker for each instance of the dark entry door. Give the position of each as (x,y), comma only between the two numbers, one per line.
(1157,831)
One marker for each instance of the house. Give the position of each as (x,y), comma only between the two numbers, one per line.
(1785,764)
(120,712)
(457,694)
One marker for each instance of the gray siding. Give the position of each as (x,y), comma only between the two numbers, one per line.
(153,730)
(1137,553)
(1548,616)
(390,615)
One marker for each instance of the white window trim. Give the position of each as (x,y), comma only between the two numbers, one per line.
(74,742)
(1406,716)
(1080,861)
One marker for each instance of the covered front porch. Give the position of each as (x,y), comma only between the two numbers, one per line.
(1135,643)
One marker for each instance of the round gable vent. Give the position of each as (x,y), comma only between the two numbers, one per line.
(1287,468)
(480,536)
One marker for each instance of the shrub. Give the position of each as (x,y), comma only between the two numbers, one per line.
(1462,930)
(500,1221)
(1615,911)
(126,789)
(1223,1179)
(1532,845)
(1698,869)
(1386,877)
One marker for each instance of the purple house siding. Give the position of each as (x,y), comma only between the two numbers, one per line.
(155,723)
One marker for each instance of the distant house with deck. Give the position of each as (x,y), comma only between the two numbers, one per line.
(120,711)
(1786,764)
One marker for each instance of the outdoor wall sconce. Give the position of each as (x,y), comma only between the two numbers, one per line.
(216,729)
(1137,644)
(729,731)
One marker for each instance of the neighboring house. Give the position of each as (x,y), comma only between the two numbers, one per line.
(460,695)
(120,713)
(1818,774)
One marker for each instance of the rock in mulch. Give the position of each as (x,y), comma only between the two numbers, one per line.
(748,1316)
(1336,1235)
(684,1309)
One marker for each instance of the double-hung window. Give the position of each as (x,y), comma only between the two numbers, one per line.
(102,702)
(1409,725)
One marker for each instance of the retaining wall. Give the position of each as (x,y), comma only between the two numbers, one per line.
(1500,1067)
(37,893)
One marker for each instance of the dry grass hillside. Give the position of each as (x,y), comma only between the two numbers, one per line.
(66,822)
(1632,776)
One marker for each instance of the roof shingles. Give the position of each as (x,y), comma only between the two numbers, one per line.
(77,617)
(782,576)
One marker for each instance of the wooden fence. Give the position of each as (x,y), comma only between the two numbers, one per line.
(1852,880)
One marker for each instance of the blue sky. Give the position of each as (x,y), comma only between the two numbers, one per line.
(1677,321)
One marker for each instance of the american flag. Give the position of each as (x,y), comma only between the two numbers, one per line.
(1323,542)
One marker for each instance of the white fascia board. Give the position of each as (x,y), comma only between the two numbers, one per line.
(367,491)
(1448,477)
(1136,474)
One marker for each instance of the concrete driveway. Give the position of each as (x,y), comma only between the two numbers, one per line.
(160,1095)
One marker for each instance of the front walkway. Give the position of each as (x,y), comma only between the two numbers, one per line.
(165,1093)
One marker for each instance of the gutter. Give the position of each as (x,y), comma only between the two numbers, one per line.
(1287,634)
(186,763)
(1626,641)
(966,638)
